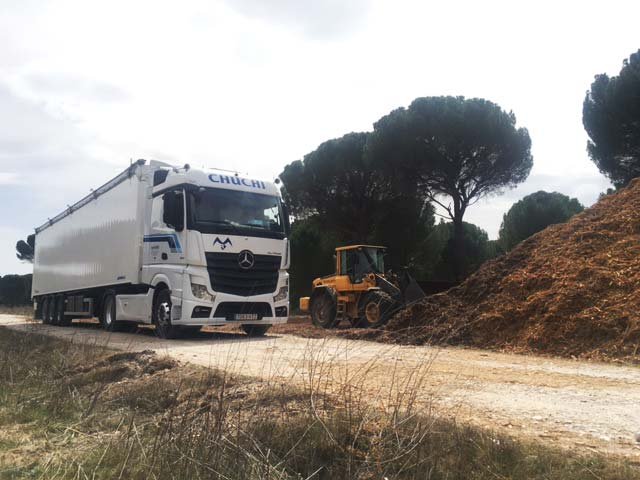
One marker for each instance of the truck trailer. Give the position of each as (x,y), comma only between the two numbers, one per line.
(178,248)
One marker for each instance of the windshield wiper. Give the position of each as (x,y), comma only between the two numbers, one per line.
(258,227)
(234,226)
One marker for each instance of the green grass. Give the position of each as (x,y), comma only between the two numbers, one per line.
(73,411)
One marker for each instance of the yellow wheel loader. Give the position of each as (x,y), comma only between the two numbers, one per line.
(360,291)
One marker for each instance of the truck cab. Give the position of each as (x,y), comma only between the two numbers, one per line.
(222,240)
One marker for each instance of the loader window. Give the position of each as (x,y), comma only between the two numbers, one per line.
(360,262)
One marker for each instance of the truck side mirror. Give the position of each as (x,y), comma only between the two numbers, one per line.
(173,214)
(285,220)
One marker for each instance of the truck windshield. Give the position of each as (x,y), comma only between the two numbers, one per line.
(233,212)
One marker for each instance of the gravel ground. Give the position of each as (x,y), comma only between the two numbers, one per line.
(569,403)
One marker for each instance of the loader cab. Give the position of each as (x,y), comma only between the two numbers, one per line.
(357,261)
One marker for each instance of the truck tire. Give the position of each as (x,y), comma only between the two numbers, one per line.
(60,319)
(54,308)
(44,313)
(108,318)
(375,309)
(162,316)
(322,307)
(255,330)
(51,311)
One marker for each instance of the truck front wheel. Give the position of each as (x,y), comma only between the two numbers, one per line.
(162,316)
(108,317)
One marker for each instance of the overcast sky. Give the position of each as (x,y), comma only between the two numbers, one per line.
(85,86)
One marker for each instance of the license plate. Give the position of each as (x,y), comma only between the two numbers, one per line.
(246,316)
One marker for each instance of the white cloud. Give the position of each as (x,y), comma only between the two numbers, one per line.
(321,20)
(9,178)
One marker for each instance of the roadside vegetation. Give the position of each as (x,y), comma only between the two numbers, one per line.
(78,411)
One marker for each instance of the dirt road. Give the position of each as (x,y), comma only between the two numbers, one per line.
(573,404)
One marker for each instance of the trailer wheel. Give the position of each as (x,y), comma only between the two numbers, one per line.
(44,313)
(162,315)
(108,318)
(54,308)
(51,310)
(323,309)
(374,309)
(60,318)
(255,330)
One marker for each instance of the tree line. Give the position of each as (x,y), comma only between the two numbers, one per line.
(15,290)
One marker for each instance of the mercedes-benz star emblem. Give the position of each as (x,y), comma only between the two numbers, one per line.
(246,259)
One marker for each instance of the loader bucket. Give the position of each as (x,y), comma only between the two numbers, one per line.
(411,291)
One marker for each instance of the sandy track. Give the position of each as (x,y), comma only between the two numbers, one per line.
(573,404)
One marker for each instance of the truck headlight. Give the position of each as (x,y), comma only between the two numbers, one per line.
(201,292)
(282,294)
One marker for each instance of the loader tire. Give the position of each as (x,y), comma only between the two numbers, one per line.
(375,309)
(322,307)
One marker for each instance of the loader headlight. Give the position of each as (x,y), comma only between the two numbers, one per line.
(201,292)
(283,293)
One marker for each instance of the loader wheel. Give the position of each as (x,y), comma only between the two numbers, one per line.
(162,316)
(323,310)
(374,309)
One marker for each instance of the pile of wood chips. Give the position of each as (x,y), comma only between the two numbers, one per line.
(572,290)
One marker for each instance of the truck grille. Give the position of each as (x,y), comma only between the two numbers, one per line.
(227,277)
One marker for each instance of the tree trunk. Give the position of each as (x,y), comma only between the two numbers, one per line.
(458,242)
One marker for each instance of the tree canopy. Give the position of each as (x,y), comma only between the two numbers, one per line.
(312,249)
(351,196)
(26,250)
(611,117)
(534,213)
(458,150)
(437,251)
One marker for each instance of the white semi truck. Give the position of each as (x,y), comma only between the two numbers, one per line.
(175,247)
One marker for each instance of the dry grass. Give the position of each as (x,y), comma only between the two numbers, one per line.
(73,411)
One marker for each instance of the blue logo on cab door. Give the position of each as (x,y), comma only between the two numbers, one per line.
(223,245)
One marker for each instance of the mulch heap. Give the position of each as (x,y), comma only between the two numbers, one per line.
(571,290)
